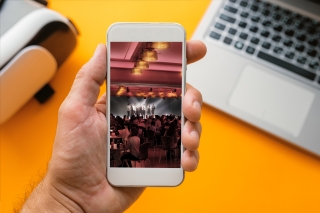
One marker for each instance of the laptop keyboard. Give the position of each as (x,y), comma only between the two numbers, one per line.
(271,33)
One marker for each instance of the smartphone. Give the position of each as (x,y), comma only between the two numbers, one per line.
(145,89)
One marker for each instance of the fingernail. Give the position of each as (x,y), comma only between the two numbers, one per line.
(96,51)
(194,134)
(197,105)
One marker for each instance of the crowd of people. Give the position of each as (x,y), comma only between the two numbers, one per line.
(133,132)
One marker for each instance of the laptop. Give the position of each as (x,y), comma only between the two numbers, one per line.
(262,65)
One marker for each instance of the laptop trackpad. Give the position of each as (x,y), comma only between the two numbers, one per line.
(270,98)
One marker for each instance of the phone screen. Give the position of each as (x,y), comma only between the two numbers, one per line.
(145,104)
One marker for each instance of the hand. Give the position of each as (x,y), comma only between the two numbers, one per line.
(76,177)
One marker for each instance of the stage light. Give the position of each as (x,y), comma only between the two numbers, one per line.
(136,71)
(149,53)
(160,45)
(139,94)
(141,64)
(121,89)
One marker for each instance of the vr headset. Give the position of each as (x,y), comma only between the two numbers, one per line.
(34,42)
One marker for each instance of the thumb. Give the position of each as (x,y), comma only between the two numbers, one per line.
(86,86)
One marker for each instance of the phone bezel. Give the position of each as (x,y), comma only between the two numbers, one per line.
(145,32)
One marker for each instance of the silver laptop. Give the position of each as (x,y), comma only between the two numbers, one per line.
(262,65)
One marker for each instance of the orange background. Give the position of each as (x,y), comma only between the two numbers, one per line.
(241,169)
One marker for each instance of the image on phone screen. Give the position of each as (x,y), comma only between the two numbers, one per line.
(145,104)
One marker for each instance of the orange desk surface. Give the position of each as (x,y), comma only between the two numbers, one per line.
(241,168)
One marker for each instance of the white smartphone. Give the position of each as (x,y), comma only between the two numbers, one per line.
(145,88)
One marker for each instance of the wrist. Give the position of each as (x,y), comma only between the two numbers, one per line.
(46,198)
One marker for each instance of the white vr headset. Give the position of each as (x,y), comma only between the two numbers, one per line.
(34,42)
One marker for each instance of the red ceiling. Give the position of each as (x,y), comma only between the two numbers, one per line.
(163,75)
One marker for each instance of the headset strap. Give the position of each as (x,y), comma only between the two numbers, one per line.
(43,2)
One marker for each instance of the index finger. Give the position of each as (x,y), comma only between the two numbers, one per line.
(195,51)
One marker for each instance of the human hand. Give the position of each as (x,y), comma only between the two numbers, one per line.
(76,177)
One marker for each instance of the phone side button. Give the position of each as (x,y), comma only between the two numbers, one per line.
(186,64)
